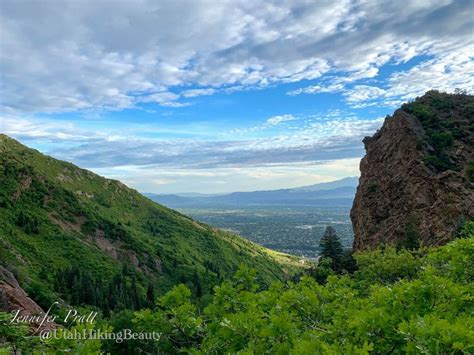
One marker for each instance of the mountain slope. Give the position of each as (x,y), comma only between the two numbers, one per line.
(68,233)
(417,178)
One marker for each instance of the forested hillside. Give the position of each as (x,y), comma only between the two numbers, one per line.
(69,234)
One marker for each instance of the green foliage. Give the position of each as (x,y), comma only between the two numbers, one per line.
(176,318)
(17,338)
(348,262)
(397,302)
(333,257)
(12,337)
(439,162)
(421,111)
(444,118)
(123,291)
(331,247)
(29,223)
(441,140)
(323,270)
(63,342)
(386,266)
(466,230)
(437,336)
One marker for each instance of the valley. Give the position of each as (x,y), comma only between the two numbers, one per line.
(289,220)
(295,230)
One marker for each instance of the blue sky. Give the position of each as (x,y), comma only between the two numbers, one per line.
(215,97)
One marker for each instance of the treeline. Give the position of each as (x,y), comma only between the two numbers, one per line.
(123,291)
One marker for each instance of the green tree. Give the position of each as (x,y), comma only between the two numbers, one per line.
(331,248)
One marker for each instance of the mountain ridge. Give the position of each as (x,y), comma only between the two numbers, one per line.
(335,193)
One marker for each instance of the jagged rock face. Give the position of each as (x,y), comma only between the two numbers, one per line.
(14,298)
(417,173)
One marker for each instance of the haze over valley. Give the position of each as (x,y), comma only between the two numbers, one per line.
(288,220)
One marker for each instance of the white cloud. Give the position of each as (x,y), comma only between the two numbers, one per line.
(70,57)
(361,93)
(198,92)
(445,73)
(316,89)
(164,98)
(321,150)
(454,70)
(276,120)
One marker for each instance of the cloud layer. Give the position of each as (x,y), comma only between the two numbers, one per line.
(324,148)
(89,55)
(314,142)
(63,63)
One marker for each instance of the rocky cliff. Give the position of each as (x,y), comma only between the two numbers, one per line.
(13,298)
(417,177)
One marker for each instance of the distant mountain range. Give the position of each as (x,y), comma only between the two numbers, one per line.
(334,193)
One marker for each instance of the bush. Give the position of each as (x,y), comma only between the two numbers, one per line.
(466,230)
(28,222)
(397,300)
(421,111)
(440,163)
(441,140)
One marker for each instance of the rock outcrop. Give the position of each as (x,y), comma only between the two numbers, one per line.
(417,176)
(13,298)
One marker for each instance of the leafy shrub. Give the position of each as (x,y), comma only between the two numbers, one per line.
(396,301)
(28,222)
(441,140)
(466,230)
(421,111)
(440,163)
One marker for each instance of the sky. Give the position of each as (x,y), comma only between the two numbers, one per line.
(221,96)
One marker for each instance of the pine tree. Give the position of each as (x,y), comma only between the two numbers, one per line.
(331,247)
(197,284)
(150,295)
